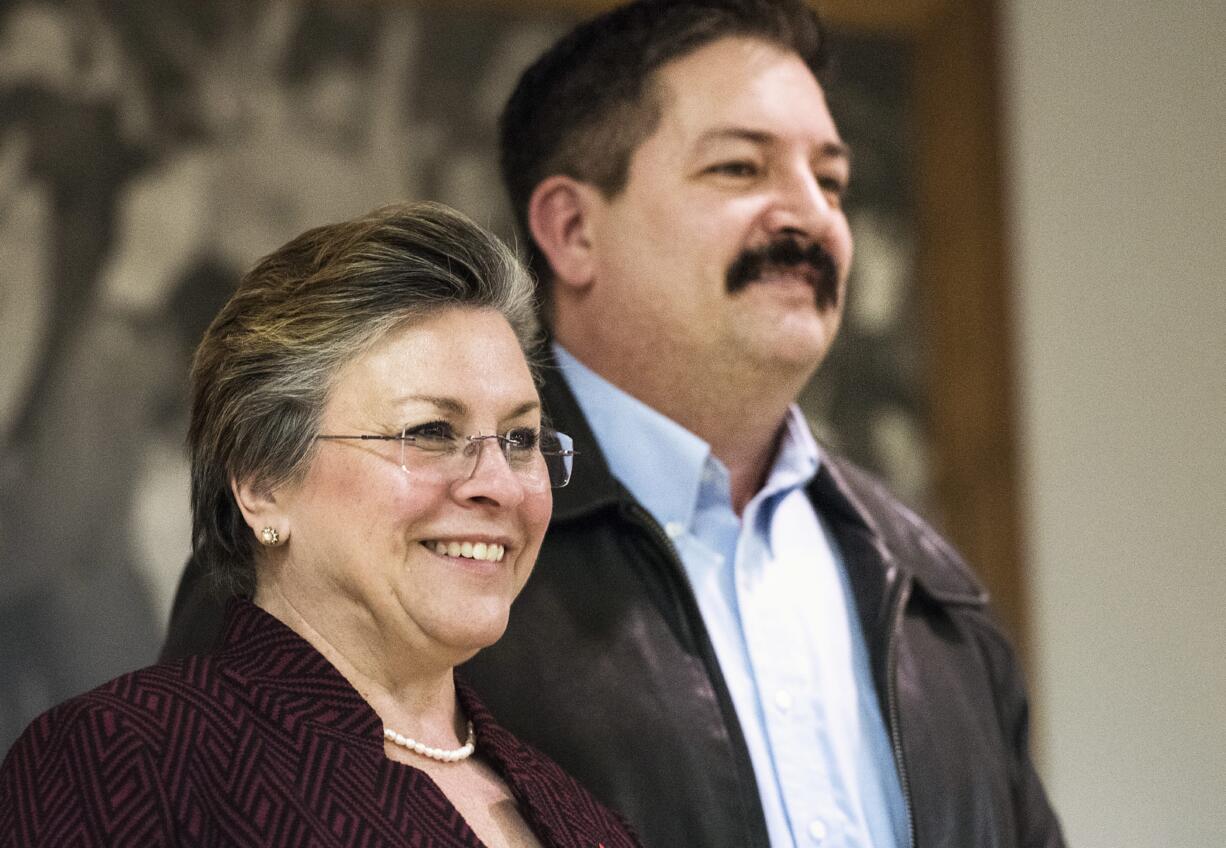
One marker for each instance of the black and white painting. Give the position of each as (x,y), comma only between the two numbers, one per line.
(151,150)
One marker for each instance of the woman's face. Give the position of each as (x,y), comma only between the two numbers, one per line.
(362,559)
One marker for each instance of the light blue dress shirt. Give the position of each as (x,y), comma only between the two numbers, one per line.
(776,602)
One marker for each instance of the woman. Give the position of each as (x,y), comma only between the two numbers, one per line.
(369,465)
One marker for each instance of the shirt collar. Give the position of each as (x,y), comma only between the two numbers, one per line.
(655,458)
(798,458)
(660,462)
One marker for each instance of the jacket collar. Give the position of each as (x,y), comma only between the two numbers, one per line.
(592,486)
(841,493)
(276,666)
(906,545)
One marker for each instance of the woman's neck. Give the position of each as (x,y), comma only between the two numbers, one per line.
(413,697)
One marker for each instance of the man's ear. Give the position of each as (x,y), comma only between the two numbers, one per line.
(261,511)
(560,218)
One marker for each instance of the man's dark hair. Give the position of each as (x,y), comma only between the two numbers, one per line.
(585,106)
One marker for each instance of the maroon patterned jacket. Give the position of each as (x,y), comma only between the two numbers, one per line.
(263,743)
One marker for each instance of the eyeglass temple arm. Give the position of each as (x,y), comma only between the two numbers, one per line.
(363,437)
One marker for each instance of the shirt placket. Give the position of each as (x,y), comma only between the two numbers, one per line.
(781,664)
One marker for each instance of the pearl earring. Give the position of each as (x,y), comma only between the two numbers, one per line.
(270,537)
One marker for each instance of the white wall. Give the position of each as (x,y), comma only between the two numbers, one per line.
(1116,132)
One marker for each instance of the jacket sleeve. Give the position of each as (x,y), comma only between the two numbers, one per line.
(78,776)
(1037,824)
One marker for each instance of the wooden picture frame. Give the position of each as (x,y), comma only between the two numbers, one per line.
(963,277)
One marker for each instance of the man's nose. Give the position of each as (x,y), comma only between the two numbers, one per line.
(800,205)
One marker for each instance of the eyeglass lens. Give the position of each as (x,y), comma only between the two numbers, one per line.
(544,460)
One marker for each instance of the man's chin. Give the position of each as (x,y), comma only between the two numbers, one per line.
(794,342)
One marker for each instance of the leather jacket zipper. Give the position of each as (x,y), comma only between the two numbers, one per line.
(900,605)
(653,527)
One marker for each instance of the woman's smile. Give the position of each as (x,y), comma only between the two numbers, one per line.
(473,548)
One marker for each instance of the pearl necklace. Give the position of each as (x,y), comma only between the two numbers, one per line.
(441,754)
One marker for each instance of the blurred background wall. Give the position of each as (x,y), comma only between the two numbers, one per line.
(1116,130)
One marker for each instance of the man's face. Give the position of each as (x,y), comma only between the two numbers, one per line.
(729,244)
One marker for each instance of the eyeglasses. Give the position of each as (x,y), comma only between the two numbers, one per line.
(539,458)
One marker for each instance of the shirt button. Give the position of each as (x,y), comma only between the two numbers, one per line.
(674,529)
(783,700)
(817,830)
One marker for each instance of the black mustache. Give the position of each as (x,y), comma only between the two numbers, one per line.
(786,254)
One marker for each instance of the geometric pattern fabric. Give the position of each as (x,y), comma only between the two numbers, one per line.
(263,743)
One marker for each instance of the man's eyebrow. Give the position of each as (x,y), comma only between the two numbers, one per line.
(829,150)
(735,134)
(836,150)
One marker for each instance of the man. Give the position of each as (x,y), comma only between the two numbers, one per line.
(732,636)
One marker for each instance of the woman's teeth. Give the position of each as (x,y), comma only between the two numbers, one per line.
(470,550)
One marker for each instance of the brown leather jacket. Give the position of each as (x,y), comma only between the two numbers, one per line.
(607,667)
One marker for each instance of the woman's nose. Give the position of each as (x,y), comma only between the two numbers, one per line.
(490,475)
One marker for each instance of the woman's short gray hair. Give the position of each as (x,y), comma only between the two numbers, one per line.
(263,371)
